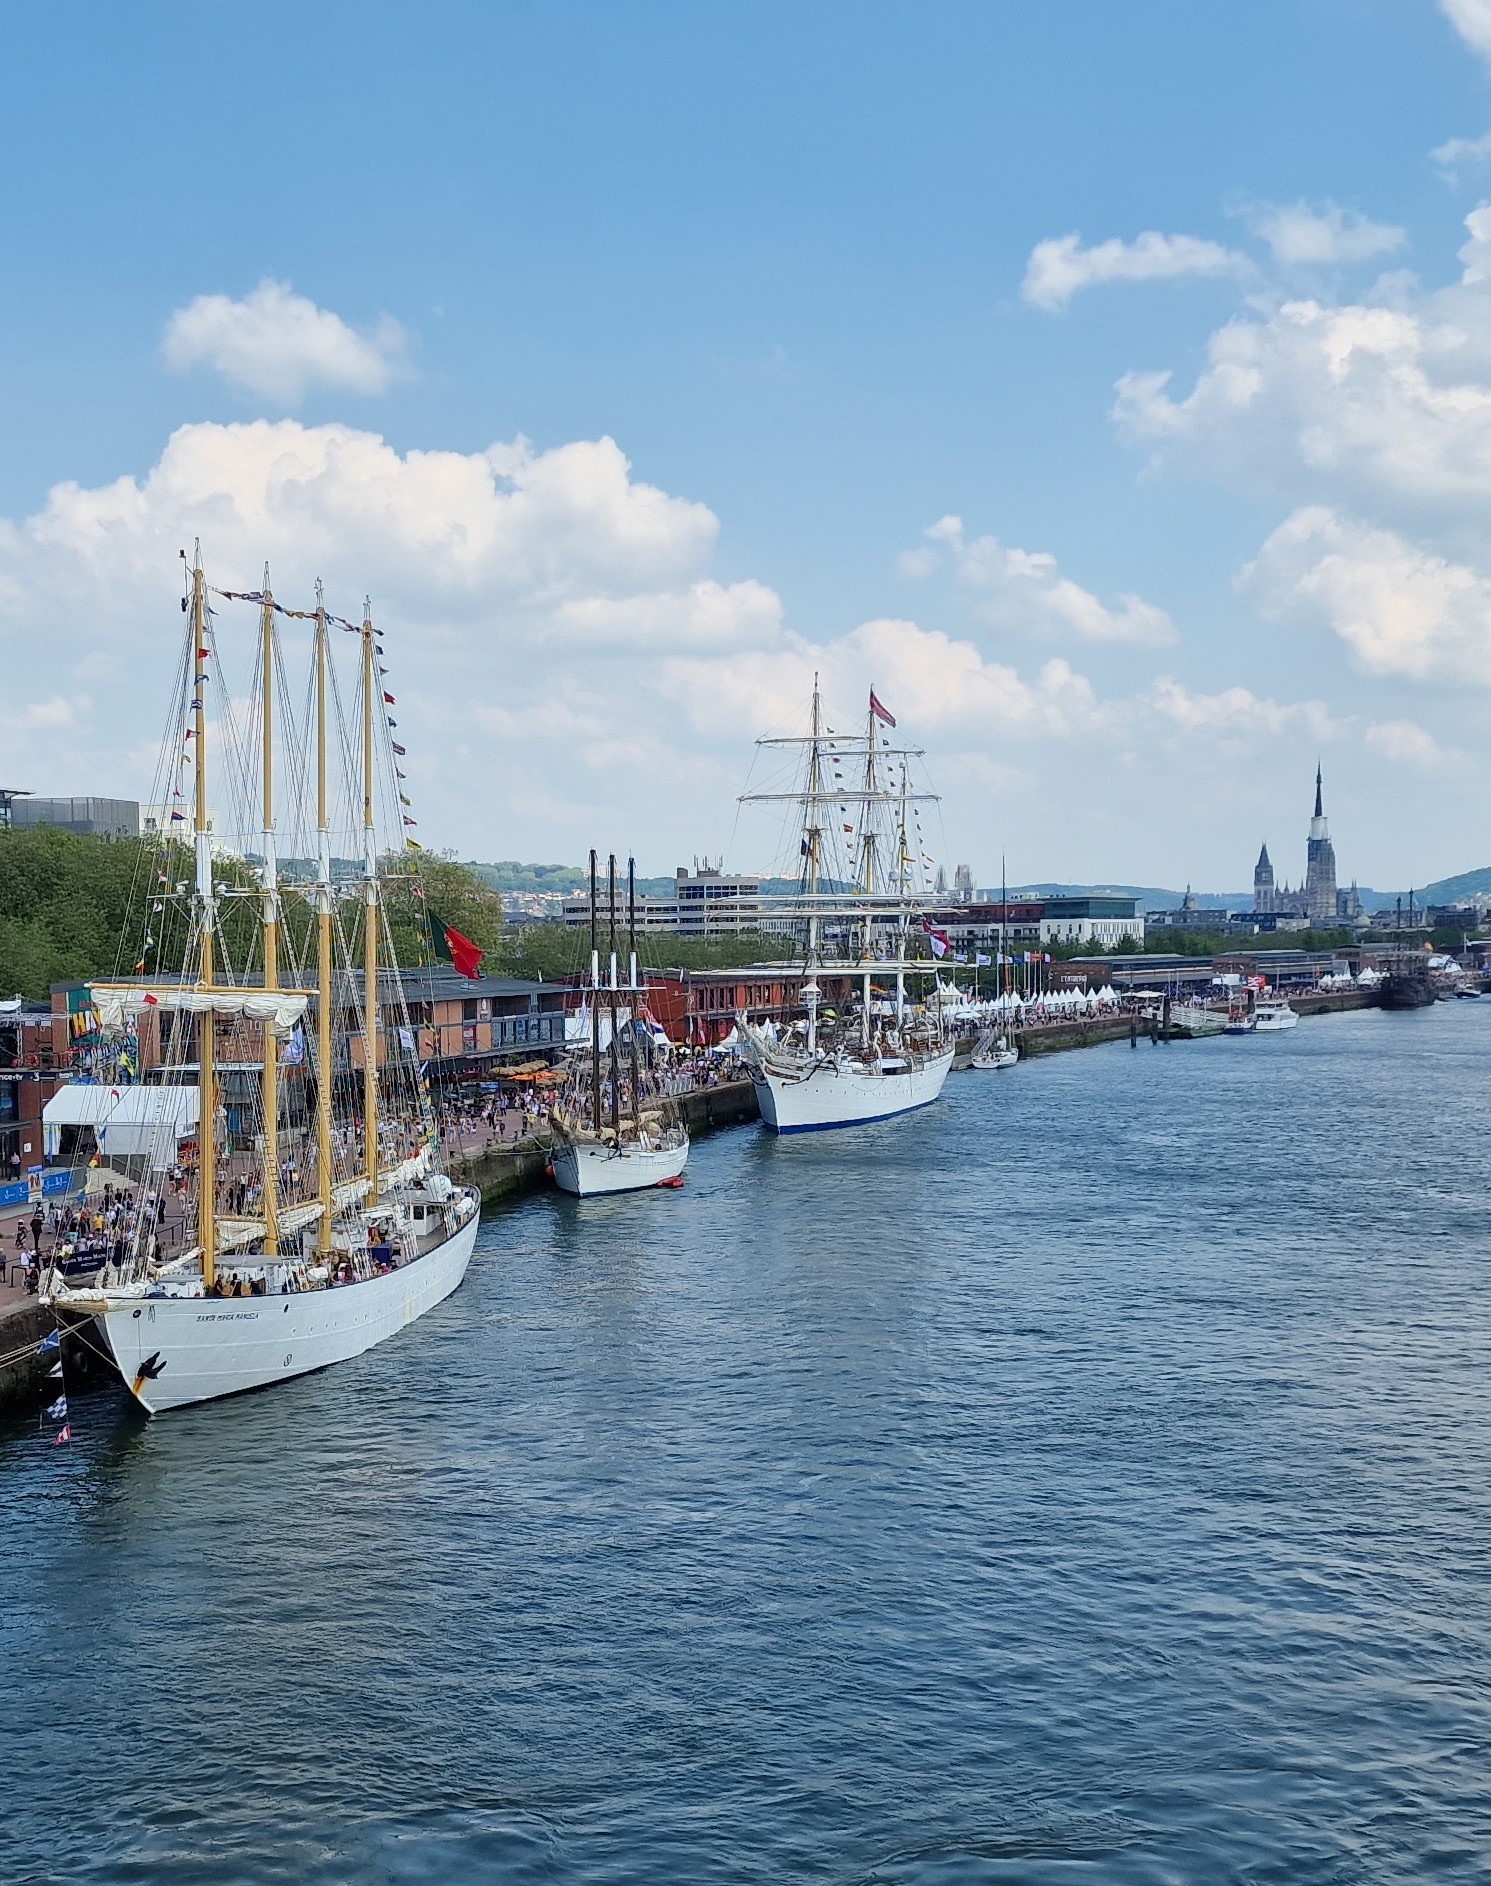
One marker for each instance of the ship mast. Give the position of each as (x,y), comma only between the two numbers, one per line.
(271,921)
(370,915)
(207,916)
(324,1181)
(813,832)
(631,928)
(615,1046)
(867,866)
(595,1007)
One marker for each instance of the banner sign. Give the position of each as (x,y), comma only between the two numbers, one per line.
(17,1194)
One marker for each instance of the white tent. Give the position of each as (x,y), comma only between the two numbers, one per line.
(125,1120)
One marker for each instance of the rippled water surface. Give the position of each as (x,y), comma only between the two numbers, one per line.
(1083,1480)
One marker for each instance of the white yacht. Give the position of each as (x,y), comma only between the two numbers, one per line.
(1272,1015)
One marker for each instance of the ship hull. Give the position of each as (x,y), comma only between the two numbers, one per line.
(827,1096)
(587,1171)
(173,1351)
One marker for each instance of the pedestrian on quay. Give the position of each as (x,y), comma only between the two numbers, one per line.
(38,1224)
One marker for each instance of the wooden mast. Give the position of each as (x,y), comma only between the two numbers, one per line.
(324,1179)
(370,914)
(271,920)
(207,914)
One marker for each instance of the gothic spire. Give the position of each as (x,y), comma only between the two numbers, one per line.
(1319,808)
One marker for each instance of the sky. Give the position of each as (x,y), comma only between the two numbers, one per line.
(1108,387)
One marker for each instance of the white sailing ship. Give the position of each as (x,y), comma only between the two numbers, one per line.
(278,1278)
(613,1131)
(832,1070)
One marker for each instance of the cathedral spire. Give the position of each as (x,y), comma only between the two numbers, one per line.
(1319,808)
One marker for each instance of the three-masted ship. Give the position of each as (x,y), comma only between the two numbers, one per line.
(613,1129)
(316,1218)
(837,1068)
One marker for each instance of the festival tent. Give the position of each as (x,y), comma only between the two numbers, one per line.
(125,1120)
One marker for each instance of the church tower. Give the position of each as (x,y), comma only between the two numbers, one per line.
(1263,886)
(1320,869)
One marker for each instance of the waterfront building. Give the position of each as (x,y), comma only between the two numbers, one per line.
(1036,923)
(705,902)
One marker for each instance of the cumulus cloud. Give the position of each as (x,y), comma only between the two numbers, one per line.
(277,344)
(1302,237)
(1061,267)
(1407,744)
(1236,712)
(1026,588)
(1388,401)
(1471,19)
(1456,154)
(1401,610)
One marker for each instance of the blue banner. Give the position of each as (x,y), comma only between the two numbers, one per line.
(14,1194)
(54,1182)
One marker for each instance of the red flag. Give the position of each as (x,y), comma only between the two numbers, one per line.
(457,950)
(64,1433)
(880,710)
(389,698)
(940,940)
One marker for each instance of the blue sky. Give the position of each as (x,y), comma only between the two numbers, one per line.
(776,254)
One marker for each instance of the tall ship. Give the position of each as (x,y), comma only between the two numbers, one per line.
(309,1219)
(859,910)
(614,1130)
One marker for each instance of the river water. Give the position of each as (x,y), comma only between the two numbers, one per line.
(1083,1480)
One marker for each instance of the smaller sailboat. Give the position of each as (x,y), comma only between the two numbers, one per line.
(614,1131)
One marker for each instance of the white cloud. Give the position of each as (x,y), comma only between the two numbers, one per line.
(55,715)
(277,344)
(1456,153)
(1386,401)
(1471,19)
(1407,744)
(1060,267)
(1303,237)
(1401,610)
(1025,588)
(1236,712)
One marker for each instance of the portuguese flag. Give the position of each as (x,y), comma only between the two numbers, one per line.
(453,948)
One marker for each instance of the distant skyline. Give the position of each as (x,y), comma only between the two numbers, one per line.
(1109,388)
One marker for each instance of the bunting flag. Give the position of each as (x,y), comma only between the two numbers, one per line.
(389,698)
(401,751)
(413,844)
(940,940)
(58,1409)
(880,710)
(453,948)
(64,1433)
(50,1343)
